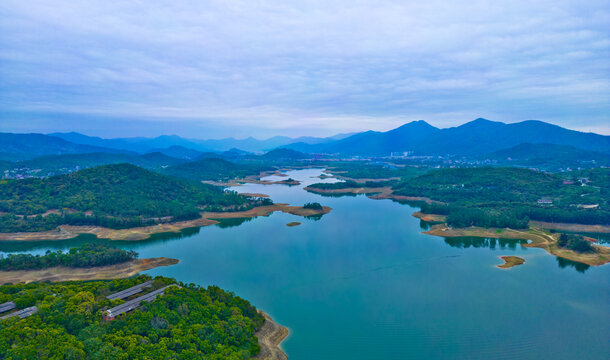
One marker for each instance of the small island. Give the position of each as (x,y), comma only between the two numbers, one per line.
(293,224)
(510,261)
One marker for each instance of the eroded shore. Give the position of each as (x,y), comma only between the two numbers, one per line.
(270,336)
(538,238)
(62,273)
(65,232)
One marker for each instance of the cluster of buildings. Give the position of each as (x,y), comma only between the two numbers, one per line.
(9,309)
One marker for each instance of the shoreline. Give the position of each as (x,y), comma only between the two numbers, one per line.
(270,336)
(537,237)
(63,273)
(376,193)
(66,232)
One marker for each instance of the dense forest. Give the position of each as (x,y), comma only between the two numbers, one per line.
(86,255)
(509,197)
(187,322)
(214,169)
(115,196)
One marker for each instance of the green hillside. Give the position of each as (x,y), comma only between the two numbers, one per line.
(116,196)
(284,154)
(549,156)
(186,322)
(62,164)
(509,196)
(214,169)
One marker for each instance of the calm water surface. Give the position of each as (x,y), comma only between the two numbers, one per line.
(363,283)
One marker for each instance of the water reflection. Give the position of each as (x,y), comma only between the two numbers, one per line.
(337,195)
(565,263)
(229,223)
(39,246)
(479,242)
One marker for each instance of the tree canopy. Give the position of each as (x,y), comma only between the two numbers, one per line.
(187,322)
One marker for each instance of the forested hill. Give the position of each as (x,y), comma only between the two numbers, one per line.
(475,138)
(66,163)
(116,196)
(549,156)
(513,194)
(214,169)
(27,146)
(186,322)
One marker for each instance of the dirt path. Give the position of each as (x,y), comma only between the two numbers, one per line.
(270,336)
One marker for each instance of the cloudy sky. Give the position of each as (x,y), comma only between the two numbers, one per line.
(209,69)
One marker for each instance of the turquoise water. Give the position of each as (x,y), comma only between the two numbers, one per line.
(363,283)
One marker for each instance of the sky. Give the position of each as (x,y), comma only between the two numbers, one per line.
(212,69)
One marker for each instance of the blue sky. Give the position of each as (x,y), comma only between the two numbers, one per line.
(209,69)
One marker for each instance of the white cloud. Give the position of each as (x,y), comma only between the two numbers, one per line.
(272,65)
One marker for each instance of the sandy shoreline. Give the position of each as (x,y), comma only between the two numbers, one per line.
(270,336)
(65,232)
(62,273)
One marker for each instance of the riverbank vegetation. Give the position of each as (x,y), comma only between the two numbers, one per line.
(84,256)
(510,197)
(112,196)
(575,242)
(186,322)
(313,206)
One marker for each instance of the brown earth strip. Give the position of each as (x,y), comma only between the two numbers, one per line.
(62,273)
(255,195)
(270,336)
(430,217)
(142,233)
(571,227)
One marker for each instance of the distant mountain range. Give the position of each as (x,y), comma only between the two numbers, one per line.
(474,138)
(27,146)
(143,145)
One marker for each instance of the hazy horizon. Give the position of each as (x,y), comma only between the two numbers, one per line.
(215,69)
(330,135)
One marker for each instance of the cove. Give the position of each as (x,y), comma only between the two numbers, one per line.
(362,282)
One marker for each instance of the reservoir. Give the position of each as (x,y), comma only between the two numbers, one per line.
(362,282)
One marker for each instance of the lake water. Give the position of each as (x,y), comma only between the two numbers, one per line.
(363,283)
